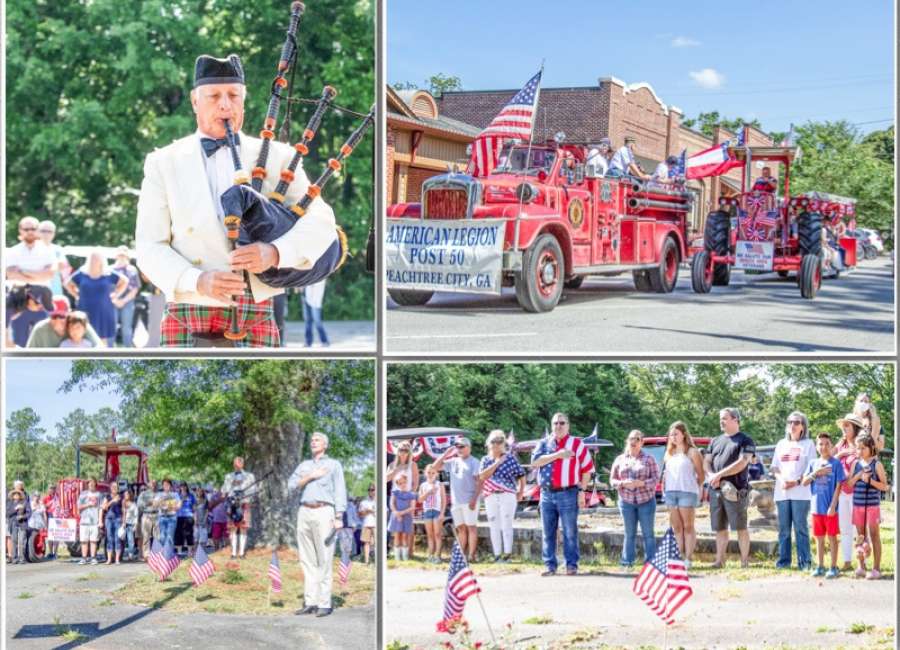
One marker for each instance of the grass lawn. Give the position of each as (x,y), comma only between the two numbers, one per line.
(242,587)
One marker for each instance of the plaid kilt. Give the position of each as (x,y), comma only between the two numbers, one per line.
(182,320)
(245,523)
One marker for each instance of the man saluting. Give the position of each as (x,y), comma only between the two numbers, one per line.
(182,245)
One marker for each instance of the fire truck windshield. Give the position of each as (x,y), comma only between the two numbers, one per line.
(513,161)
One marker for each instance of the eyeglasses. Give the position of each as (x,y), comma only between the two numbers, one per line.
(559,424)
(46,232)
(795,421)
(460,446)
(28,229)
(496,442)
(635,439)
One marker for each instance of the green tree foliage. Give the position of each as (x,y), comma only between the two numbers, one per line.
(836,159)
(705,123)
(24,434)
(199,415)
(95,86)
(882,143)
(436,84)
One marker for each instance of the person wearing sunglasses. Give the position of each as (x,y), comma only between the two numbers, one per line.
(634,474)
(30,266)
(792,456)
(465,487)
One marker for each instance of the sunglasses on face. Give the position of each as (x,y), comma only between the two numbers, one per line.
(496,442)
(635,439)
(559,424)
(27,229)
(795,422)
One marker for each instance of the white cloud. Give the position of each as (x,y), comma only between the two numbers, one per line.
(708,78)
(684,41)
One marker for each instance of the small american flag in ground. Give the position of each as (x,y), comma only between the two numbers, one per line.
(202,567)
(461,585)
(275,573)
(344,569)
(162,561)
(514,121)
(663,582)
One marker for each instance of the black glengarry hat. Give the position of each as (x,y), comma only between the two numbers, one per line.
(210,70)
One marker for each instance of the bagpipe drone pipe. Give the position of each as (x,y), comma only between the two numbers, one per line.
(252,217)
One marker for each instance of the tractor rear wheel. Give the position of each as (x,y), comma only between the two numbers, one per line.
(574,282)
(539,285)
(642,281)
(664,278)
(810,276)
(701,273)
(410,298)
(809,233)
(717,239)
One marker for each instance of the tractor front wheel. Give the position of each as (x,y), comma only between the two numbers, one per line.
(410,298)
(664,278)
(810,276)
(539,285)
(701,273)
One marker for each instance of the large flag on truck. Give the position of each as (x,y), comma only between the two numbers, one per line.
(515,120)
(714,161)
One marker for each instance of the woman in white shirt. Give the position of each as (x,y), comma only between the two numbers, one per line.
(682,478)
(791,458)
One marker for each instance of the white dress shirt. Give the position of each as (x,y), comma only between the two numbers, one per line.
(219,172)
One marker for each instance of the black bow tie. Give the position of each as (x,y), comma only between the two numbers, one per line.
(211,146)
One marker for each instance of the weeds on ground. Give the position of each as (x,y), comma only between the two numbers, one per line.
(859,628)
(25,594)
(538,620)
(66,632)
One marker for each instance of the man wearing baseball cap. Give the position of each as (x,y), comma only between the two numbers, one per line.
(464,490)
(623,162)
(50,332)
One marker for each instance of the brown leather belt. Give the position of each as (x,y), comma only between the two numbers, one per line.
(315,504)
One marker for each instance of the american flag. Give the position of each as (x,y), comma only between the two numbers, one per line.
(162,561)
(515,120)
(202,567)
(461,585)
(566,472)
(344,569)
(663,582)
(504,477)
(275,573)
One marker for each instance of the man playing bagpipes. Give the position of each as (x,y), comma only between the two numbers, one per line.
(182,244)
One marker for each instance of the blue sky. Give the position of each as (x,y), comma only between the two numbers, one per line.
(36,383)
(779,62)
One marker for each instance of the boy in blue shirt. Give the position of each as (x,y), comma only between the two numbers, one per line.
(824,475)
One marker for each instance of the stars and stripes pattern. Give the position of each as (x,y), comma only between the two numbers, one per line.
(344,568)
(515,120)
(663,582)
(504,477)
(202,567)
(714,161)
(568,471)
(275,573)
(435,446)
(461,585)
(162,561)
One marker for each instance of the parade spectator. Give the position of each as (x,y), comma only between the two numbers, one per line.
(433,498)
(634,475)
(53,508)
(23,321)
(124,300)
(76,331)
(93,285)
(864,408)
(502,481)
(47,231)
(792,456)
(403,502)
(869,481)
(463,469)
(352,522)
(756,469)
(766,182)
(682,478)
(18,510)
(598,158)
(201,515)
(30,263)
(313,297)
(89,523)
(219,520)
(112,519)
(404,465)
(824,475)
(367,512)
(167,505)
(564,468)
(845,451)
(37,520)
(184,525)
(623,162)
(149,515)
(51,332)
(725,465)
(130,522)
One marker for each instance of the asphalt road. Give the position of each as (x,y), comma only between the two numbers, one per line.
(792,609)
(758,314)
(57,600)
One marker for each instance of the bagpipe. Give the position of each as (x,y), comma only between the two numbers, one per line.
(235,498)
(252,217)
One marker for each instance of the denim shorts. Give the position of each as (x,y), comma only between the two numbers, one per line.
(681,499)
(430,514)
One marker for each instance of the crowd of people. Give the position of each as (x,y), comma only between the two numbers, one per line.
(838,479)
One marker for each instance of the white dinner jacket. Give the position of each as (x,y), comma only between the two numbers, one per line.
(179,235)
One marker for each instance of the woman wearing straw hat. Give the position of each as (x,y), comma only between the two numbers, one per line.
(845,451)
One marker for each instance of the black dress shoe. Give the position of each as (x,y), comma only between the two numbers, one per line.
(307,610)
(324,611)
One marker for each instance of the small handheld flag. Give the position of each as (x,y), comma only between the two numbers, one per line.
(275,573)
(202,567)
(461,585)
(663,582)
(346,546)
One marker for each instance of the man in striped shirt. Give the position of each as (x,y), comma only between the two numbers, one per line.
(564,469)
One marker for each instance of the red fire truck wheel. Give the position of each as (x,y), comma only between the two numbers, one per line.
(665,277)
(539,285)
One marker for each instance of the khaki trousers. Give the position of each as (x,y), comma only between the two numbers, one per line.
(313,526)
(149,529)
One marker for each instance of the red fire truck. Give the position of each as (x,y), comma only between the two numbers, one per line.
(559,223)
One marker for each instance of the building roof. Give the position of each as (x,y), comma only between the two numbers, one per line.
(400,112)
